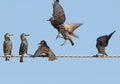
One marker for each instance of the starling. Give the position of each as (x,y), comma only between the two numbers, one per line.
(23,46)
(102,42)
(67,30)
(58,19)
(7,46)
(58,16)
(44,49)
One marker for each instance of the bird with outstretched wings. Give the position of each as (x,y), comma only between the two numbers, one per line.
(44,49)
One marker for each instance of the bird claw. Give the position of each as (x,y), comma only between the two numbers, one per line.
(58,36)
(62,44)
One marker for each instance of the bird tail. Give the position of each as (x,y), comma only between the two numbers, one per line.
(74,35)
(110,35)
(52,57)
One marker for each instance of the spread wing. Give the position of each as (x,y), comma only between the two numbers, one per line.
(47,51)
(70,27)
(40,51)
(58,13)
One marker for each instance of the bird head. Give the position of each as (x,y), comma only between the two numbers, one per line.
(51,19)
(43,42)
(23,36)
(7,35)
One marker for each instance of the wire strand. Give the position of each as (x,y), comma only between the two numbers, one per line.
(68,56)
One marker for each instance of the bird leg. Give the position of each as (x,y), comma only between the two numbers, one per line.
(63,43)
(72,43)
(21,58)
(7,57)
(105,54)
(58,36)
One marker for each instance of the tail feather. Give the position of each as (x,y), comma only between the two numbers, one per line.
(52,57)
(74,35)
(110,35)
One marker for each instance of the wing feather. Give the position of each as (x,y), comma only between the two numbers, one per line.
(58,13)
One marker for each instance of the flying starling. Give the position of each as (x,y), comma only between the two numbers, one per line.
(7,46)
(44,49)
(58,19)
(67,30)
(102,42)
(23,46)
(58,16)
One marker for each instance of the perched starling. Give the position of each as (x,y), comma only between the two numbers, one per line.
(7,46)
(58,16)
(67,30)
(23,46)
(44,49)
(102,42)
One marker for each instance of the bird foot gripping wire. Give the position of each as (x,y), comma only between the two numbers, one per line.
(100,55)
(7,58)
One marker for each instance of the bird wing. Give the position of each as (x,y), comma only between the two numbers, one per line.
(40,50)
(47,51)
(58,13)
(102,40)
(23,48)
(7,46)
(70,27)
(51,54)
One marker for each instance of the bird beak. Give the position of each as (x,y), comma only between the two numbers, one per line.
(27,35)
(48,20)
(11,34)
(39,43)
(81,23)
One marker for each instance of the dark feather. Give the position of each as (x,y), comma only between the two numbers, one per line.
(58,14)
(44,48)
(23,46)
(102,42)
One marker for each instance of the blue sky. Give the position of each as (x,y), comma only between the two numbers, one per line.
(99,17)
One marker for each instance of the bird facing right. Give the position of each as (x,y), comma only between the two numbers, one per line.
(102,42)
(23,46)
